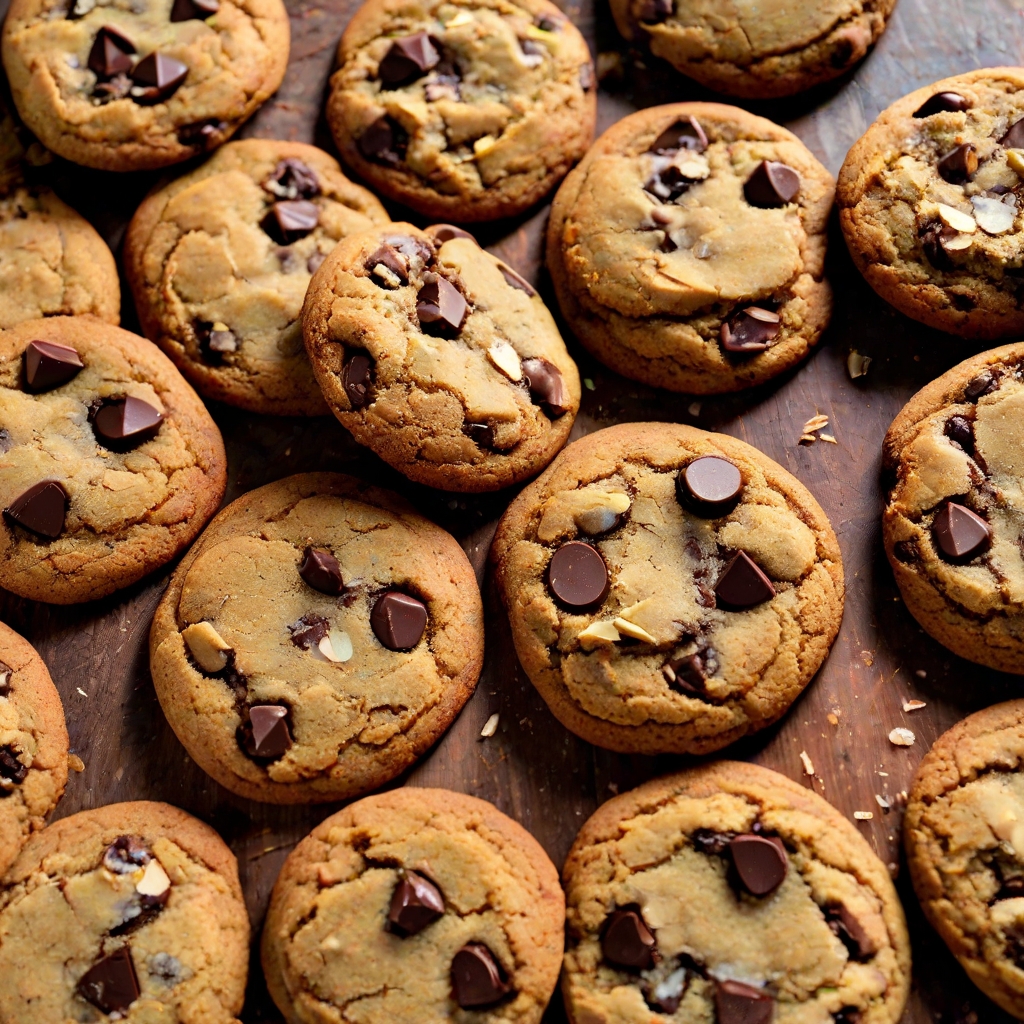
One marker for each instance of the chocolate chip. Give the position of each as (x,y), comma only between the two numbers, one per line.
(850,932)
(125,855)
(656,11)
(710,842)
(750,330)
(415,903)
(689,675)
(201,134)
(12,771)
(265,734)
(548,23)
(125,423)
(710,486)
(6,673)
(960,430)
(959,165)
(320,569)
(290,219)
(442,233)
(112,53)
(481,433)
(959,533)
(389,257)
(293,179)
(587,77)
(48,365)
(773,184)
(398,620)
(1014,138)
(905,551)
(514,280)
(309,630)
(984,384)
(384,142)
(409,58)
(215,340)
(685,133)
(743,584)
(157,77)
(760,862)
(942,101)
(110,984)
(441,306)
(356,379)
(626,941)
(40,509)
(193,10)
(578,576)
(477,977)
(547,386)
(736,1003)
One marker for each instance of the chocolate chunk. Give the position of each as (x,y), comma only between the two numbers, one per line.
(356,379)
(384,142)
(710,842)
(514,280)
(1014,138)
(547,386)
(125,423)
(440,305)
(656,11)
(667,183)
(685,133)
(215,340)
(578,576)
(309,630)
(201,134)
(125,855)
(959,533)
(112,53)
(736,1003)
(481,433)
(6,673)
(743,584)
(689,675)
(760,862)
(710,486)
(398,620)
(477,977)
(772,184)
(960,430)
(959,165)
(942,101)
(193,10)
(850,932)
(321,571)
(442,233)
(110,984)
(409,58)
(157,77)
(848,1015)
(392,259)
(750,330)
(415,903)
(932,237)
(48,365)
(12,771)
(290,219)
(40,509)
(548,23)
(293,179)
(626,941)
(587,77)
(984,384)
(268,735)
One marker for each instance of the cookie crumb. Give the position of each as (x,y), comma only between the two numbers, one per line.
(807,762)
(857,365)
(75,763)
(913,705)
(81,691)
(863,815)
(490,726)
(833,718)
(694,408)
(883,803)
(921,674)
(902,738)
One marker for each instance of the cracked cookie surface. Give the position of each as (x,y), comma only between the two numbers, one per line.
(219,282)
(954,519)
(128,912)
(827,943)
(483,108)
(672,656)
(328,955)
(128,508)
(356,712)
(660,241)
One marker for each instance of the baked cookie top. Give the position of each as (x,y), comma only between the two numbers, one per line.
(730,893)
(33,744)
(669,590)
(687,248)
(370,643)
(929,203)
(219,262)
(952,522)
(134,86)
(465,110)
(109,463)
(440,357)
(128,912)
(420,905)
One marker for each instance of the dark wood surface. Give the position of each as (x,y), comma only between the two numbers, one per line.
(532,768)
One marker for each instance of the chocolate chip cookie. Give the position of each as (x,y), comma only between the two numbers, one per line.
(440,357)
(465,110)
(929,201)
(419,906)
(219,262)
(109,463)
(131,911)
(756,50)
(669,590)
(316,640)
(687,249)
(126,87)
(33,744)
(729,893)
(954,519)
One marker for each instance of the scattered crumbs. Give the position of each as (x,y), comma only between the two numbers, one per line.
(921,674)
(827,437)
(490,727)
(883,803)
(119,774)
(901,738)
(808,763)
(287,452)
(884,775)
(75,763)
(818,422)
(81,691)
(807,439)
(868,657)
(693,408)
(914,705)
(833,718)
(453,505)
(589,384)
(857,365)
(863,815)
(613,787)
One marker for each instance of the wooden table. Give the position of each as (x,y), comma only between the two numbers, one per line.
(532,768)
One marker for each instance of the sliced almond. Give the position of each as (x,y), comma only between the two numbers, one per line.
(208,647)
(857,365)
(953,218)
(914,705)
(764,315)
(341,642)
(484,145)
(387,275)
(506,359)
(326,648)
(154,880)
(599,633)
(631,629)
(1015,158)
(994,217)
(815,423)
(957,243)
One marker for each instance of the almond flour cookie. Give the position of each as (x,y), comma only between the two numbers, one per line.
(33,744)
(417,906)
(687,248)
(929,201)
(954,518)
(440,358)
(219,262)
(109,463)
(669,590)
(126,87)
(128,912)
(465,110)
(316,640)
(729,893)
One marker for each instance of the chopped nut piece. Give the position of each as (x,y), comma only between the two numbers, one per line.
(208,647)
(857,365)
(490,726)
(808,438)
(1015,158)
(863,815)
(154,880)
(808,763)
(484,145)
(902,738)
(387,275)
(957,243)
(598,633)
(506,359)
(75,763)
(692,165)
(955,219)
(994,217)
(914,705)
(833,718)
(631,629)
(605,508)
(341,643)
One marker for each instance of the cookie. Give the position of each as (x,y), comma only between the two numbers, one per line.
(131,911)
(669,590)
(419,906)
(440,358)
(756,50)
(109,463)
(33,744)
(729,893)
(687,249)
(142,86)
(219,261)
(952,520)
(929,201)
(465,111)
(316,640)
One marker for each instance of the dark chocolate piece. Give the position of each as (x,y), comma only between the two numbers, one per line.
(942,101)
(959,165)
(743,584)
(112,53)
(959,533)
(320,569)
(157,77)
(309,630)
(760,862)
(736,1003)
(440,305)
(40,509)
(201,134)
(111,984)
(384,142)
(1014,137)
(356,379)
(710,486)
(194,10)
(124,423)
(290,219)
(752,329)
(578,575)
(293,179)
(771,185)
(850,932)
(547,386)
(409,58)
(48,365)
(415,903)
(398,620)
(685,133)
(268,735)
(477,977)
(626,941)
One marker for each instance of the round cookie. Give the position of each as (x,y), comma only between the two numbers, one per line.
(730,893)
(440,358)
(756,50)
(131,911)
(109,463)
(687,249)
(929,202)
(952,521)
(316,640)
(33,744)
(669,590)
(141,86)
(219,261)
(465,110)
(422,906)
